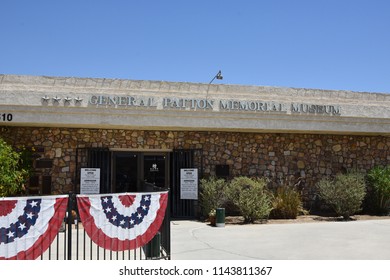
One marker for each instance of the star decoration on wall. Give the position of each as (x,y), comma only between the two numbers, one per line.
(56,99)
(67,100)
(78,100)
(45,98)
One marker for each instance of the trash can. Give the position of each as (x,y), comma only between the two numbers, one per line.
(220,217)
(152,249)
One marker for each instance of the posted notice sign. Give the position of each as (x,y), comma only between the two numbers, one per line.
(188,183)
(90,181)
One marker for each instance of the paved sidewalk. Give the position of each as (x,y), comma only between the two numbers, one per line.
(363,240)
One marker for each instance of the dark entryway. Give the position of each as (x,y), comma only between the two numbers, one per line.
(126,172)
(135,171)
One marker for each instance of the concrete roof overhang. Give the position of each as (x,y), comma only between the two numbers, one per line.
(155,105)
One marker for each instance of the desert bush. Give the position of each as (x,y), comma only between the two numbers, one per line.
(212,194)
(286,203)
(344,193)
(251,197)
(379,189)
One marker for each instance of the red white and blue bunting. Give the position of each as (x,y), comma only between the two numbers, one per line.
(124,221)
(28,225)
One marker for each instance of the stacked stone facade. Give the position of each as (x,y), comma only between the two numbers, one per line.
(274,155)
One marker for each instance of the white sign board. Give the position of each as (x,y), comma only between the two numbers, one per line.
(188,183)
(90,181)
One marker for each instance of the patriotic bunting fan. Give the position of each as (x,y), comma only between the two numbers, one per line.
(122,221)
(28,225)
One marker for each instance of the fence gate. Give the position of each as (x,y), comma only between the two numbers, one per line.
(51,240)
(184,158)
(72,241)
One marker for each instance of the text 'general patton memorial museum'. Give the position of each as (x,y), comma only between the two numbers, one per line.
(139,132)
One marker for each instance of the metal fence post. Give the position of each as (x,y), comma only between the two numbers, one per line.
(69,223)
(168,225)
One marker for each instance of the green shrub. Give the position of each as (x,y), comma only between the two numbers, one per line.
(212,194)
(379,194)
(251,198)
(12,176)
(344,193)
(286,203)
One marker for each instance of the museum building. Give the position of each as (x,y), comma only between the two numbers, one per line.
(139,133)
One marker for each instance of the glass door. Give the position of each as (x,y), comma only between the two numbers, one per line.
(126,178)
(139,171)
(155,170)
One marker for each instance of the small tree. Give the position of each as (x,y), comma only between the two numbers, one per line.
(212,194)
(251,198)
(12,176)
(344,193)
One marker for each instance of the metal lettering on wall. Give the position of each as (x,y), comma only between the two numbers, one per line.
(122,101)
(195,104)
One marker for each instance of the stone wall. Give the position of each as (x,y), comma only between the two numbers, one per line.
(277,156)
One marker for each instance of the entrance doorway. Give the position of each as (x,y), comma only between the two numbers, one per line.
(135,171)
(138,171)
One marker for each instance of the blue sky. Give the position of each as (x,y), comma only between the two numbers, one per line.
(326,44)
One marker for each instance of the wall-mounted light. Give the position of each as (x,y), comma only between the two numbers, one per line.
(218,76)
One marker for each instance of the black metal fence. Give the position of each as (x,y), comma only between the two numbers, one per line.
(184,158)
(73,243)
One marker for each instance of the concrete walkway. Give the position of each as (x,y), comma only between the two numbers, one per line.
(362,240)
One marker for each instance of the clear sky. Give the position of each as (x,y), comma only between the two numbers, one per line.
(326,44)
